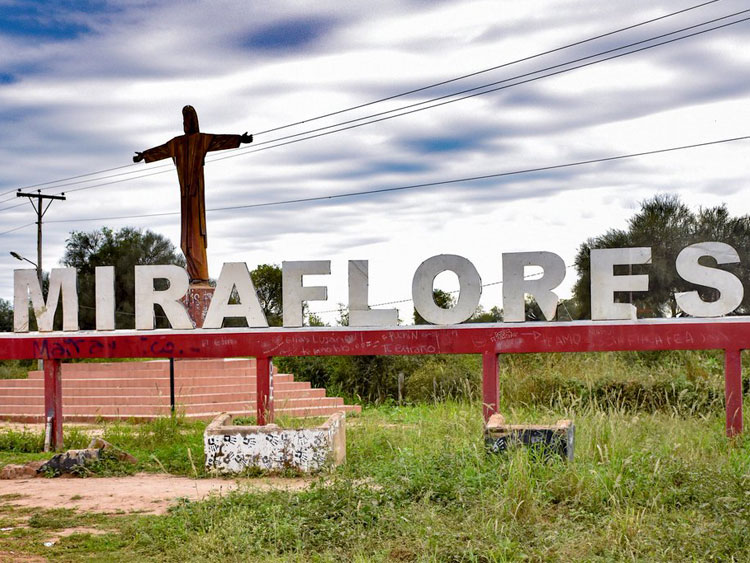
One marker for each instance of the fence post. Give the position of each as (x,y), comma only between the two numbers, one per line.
(53,404)
(733,390)
(264,390)
(490,385)
(171,385)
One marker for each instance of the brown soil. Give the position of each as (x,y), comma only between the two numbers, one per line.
(145,493)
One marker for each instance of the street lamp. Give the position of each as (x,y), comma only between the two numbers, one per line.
(17,256)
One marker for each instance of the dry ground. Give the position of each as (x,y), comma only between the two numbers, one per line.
(147,493)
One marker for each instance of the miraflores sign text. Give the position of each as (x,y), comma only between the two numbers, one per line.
(236,276)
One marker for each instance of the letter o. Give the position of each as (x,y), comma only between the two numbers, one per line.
(470,289)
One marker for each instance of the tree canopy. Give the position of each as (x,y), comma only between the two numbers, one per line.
(442,299)
(6,316)
(267,281)
(123,249)
(667,225)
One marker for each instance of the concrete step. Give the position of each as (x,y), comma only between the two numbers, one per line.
(156,408)
(121,382)
(163,398)
(291,412)
(29,391)
(203,388)
(294,387)
(19,383)
(152,366)
(113,405)
(37,390)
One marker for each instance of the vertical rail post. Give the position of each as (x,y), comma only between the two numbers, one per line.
(733,391)
(53,401)
(264,390)
(171,385)
(490,385)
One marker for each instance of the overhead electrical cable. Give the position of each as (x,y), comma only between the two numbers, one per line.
(408,300)
(485,70)
(16,229)
(448,101)
(444,101)
(11,206)
(422,185)
(388,98)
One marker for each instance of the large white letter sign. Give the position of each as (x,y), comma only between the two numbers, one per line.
(604,283)
(360,313)
(61,280)
(515,286)
(729,287)
(105,297)
(169,299)
(470,289)
(235,275)
(294,293)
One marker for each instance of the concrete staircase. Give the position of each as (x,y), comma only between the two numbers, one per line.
(140,390)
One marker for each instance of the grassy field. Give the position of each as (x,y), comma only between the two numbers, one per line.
(654,479)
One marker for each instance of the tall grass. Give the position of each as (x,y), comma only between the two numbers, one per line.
(419,485)
(654,477)
(16,369)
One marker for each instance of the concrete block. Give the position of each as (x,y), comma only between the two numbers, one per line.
(234,449)
(554,439)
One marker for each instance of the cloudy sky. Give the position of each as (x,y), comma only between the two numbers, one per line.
(85,84)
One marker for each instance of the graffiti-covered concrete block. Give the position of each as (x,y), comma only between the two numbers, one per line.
(556,439)
(234,449)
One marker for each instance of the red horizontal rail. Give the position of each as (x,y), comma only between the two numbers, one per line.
(731,334)
(578,336)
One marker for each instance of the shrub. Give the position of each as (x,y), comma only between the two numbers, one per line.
(443,377)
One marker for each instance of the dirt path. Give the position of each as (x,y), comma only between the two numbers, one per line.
(146,493)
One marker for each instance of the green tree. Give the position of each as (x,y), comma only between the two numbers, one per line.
(494,315)
(6,316)
(666,225)
(123,249)
(267,281)
(442,299)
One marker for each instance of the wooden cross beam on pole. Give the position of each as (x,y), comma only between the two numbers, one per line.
(40,209)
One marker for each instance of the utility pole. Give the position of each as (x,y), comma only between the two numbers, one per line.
(40,209)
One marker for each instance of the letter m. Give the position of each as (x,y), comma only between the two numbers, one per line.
(26,284)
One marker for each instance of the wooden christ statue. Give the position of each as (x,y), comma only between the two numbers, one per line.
(188,152)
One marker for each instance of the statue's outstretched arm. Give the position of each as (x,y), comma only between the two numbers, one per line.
(156,153)
(223,142)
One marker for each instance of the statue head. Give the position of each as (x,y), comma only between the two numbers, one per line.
(190,120)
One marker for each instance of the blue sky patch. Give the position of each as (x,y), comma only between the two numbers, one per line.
(48,19)
(441,144)
(288,34)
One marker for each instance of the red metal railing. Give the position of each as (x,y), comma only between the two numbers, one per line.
(731,334)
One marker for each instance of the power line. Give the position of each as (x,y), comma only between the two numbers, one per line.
(17,228)
(448,101)
(475,94)
(528,277)
(468,96)
(422,185)
(65,179)
(10,206)
(485,70)
(392,97)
